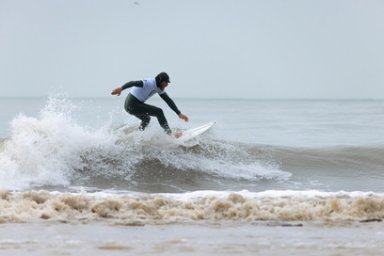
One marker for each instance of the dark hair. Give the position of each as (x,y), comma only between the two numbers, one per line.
(161,77)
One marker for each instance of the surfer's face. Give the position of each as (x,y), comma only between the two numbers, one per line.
(163,85)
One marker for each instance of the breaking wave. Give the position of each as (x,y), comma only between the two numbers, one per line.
(53,151)
(202,206)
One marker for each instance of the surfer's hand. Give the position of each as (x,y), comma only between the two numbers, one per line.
(184,117)
(117,91)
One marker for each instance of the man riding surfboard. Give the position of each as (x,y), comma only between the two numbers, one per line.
(140,92)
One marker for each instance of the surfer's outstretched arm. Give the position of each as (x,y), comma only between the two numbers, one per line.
(173,106)
(117,91)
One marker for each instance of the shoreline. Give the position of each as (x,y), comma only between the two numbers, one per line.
(182,239)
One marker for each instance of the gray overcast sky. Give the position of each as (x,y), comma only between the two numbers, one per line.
(222,48)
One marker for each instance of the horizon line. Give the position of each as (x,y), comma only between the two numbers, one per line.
(196,98)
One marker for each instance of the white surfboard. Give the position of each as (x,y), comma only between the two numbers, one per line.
(194,132)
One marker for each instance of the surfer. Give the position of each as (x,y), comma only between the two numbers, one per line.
(141,91)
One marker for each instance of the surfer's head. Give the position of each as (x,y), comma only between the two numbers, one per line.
(162,80)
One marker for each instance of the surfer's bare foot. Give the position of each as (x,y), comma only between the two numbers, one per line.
(178,134)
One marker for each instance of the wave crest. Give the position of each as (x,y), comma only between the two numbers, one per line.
(141,209)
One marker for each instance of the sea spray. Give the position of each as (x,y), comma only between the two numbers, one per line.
(54,150)
(45,150)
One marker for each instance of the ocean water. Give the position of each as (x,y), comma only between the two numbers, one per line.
(271,176)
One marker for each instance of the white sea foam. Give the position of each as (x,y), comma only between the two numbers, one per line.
(44,150)
(53,149)
(200,206)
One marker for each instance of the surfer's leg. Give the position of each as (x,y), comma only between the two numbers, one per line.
(158,113)
(135,107)
(162,120)
(143,111)
(145,119)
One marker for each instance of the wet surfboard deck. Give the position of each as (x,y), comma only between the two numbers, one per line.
(194,132)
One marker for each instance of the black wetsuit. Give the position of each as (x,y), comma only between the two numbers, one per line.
(143,111)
